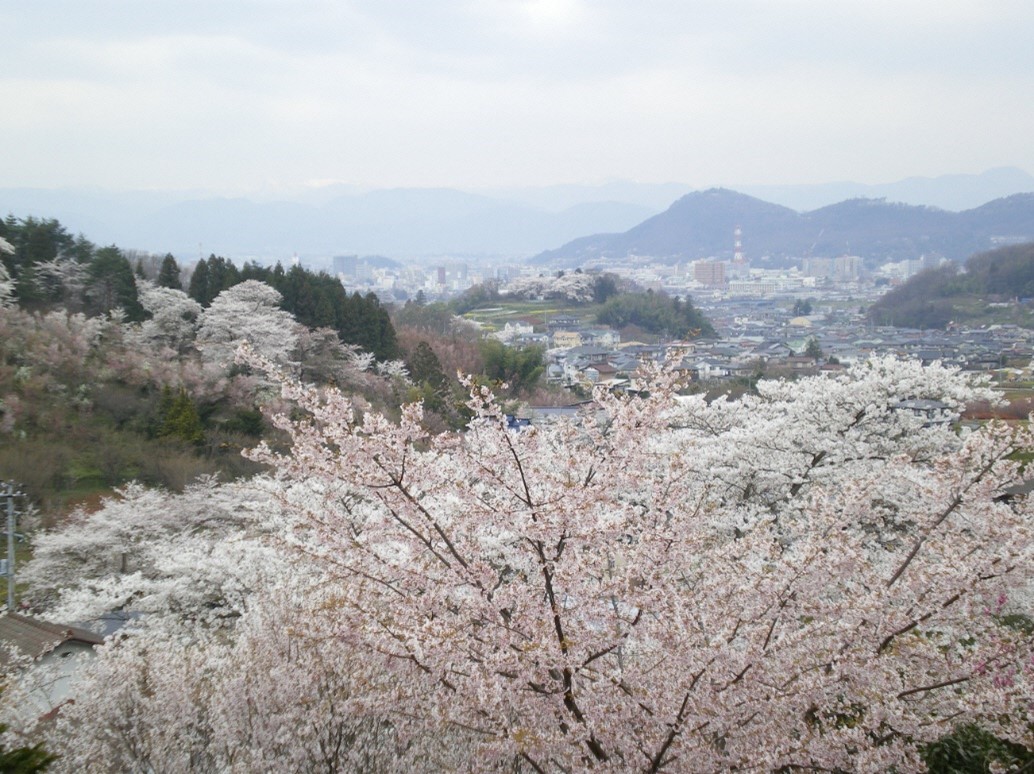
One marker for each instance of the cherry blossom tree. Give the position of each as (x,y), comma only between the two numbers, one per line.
(573,286)
(191,556)
(61,280)
(7,294)
(231,681)
(250,312)
(816,577)
(261,697)
(826,576)
(174,316)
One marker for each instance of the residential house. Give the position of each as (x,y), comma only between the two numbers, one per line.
(565,339)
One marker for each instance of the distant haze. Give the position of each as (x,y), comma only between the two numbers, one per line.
(275,98)
(413,223)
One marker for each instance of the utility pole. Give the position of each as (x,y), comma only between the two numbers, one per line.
(10,494)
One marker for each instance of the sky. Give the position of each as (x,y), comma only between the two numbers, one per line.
(238,96)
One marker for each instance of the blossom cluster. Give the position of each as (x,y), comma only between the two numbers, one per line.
(814,576)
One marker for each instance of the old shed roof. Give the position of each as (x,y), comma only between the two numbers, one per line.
(33,638)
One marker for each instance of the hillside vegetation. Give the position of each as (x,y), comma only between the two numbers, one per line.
(116,366)
(655,313)
(936,297)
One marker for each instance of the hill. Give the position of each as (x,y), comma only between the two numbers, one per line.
(936,297)
(701,224)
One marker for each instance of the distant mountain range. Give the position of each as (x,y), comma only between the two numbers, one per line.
(412,223)
(402,223)
(947,192)
(701,224)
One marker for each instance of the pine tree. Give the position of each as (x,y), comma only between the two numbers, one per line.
(169,273)
(425,367)
(180,418)
(111,284)
(199,285)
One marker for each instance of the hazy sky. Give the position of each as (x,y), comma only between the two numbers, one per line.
(267,94)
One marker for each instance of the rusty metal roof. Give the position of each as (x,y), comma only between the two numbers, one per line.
(33,638)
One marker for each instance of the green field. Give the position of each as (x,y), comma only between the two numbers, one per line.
(536,313)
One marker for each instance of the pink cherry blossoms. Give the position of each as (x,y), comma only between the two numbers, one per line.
(815,577)
(798,579)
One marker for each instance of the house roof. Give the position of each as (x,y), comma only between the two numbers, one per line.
(34,638)
(588,351)
(920,404)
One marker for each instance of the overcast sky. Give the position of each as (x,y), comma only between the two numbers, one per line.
(276,94)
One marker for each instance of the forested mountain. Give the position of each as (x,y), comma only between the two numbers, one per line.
(935,297)
(701,224)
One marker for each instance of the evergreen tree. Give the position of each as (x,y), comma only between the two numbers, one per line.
(605,287)
(813,350)
(211,277)
(179,417)
(42,240)
(315,300)
(169,273)
(34,242)
(82,250)
(297,291)
(223,275)
(425,367)
(252,270)
(111,285)
(323,314)
(199,285)
(372,329)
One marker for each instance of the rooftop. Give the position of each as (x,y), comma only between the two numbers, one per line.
(34,638)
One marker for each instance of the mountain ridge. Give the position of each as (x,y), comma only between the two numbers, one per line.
(701,225)
(424,222)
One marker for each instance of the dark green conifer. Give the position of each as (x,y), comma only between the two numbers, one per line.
(169,273)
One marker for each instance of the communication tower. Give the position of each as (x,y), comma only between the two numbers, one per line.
(739,268)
